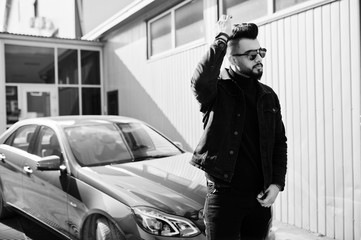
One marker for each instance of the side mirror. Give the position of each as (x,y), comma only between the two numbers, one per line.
(49,163)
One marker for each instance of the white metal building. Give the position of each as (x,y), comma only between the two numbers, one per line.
(147,53)
(313,62)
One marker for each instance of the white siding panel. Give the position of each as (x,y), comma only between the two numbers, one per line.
(297,158)
(291,184)
(320,83)
(320,119)
(303,108)
(274,57)
(272,78)
(282,95)
(354,13)
(312,130)
(313,64)
(328,108)
(267,41)
(337,122)
(347,119)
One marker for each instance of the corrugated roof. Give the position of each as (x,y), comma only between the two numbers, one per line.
(20,36)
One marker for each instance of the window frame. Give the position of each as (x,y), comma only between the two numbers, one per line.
(172,33)
(295,9)
(270,7)
(173,47)
(55,45)
(273,15)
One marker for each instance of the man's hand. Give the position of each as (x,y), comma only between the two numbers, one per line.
(267,198)
(224,25)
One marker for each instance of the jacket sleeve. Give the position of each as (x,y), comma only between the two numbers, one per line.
(204,80)
(279,152)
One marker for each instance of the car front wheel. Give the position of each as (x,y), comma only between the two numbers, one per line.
(105,230)
(101,228)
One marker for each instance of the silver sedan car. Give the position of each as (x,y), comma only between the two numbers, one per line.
(100,177)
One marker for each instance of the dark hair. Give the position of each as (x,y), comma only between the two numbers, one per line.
(244,30)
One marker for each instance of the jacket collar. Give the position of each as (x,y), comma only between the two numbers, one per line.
(225,76)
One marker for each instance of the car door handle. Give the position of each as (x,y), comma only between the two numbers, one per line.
(73,204)
(2,157)
(28,170)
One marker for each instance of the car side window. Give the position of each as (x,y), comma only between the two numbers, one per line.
(22,137)
(48,143)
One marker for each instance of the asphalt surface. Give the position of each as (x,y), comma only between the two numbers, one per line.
(284,231)
(21,228)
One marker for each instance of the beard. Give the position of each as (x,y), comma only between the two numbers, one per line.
(257,71)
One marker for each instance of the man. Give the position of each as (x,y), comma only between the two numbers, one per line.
(243,149)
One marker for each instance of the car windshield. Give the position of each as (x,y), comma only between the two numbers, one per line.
(105,143)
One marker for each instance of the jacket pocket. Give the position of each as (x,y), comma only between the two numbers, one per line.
(270,116)
(273,110)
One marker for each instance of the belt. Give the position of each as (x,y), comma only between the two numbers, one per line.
(218,184)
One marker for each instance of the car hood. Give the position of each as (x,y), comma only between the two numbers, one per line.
(170,184)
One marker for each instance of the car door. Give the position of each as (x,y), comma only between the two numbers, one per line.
(13,152)
(45,191)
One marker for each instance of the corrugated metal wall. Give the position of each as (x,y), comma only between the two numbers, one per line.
(156,91)
(313,63)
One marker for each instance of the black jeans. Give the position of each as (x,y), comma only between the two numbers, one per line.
(232,215)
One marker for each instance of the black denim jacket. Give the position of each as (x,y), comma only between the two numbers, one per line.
(223,106)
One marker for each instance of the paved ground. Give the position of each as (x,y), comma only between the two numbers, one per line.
(286,232)
(20,228)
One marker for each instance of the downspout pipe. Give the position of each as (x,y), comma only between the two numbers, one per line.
(7,14)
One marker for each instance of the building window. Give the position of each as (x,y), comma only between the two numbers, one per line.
(244,10)
(250,10)
(39,103)
(12,109)
(178,26)
(29,64)
(189,24)
(160,35)
(113,106)
(68,81)
(282,4)
(67,66)
(91,101)
(68,101)
(90,67)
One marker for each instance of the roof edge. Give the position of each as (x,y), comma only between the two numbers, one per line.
(119,17)
(25,37)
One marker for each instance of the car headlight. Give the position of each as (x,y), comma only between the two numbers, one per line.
(159,223)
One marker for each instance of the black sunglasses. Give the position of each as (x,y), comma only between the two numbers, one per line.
(252,54)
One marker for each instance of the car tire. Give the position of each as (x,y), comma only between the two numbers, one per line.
(105,230)
(101,228)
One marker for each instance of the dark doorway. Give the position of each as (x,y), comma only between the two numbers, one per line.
(113,108)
